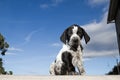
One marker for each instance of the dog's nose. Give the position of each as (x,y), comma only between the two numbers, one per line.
(75,40)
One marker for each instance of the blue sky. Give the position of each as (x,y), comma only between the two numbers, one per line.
(33,27)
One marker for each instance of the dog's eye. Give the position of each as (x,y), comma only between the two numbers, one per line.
(79,33)
(70,33)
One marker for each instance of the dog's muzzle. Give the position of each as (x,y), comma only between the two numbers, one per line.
(75,40)
(74,43)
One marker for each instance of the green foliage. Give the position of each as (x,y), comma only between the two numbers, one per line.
(2,70)
(3,45)
(115,70)
(10,73)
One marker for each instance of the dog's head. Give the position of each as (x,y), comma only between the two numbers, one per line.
(73,34)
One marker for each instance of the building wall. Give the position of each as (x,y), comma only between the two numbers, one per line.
(117,23)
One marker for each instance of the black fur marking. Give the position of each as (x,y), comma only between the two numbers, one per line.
(65,37)
(68,67)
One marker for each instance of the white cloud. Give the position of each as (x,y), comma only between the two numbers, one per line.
(101,31)
(91,54)
(56,44)
(15,49)
(10,53)
(44,6)
(52,3)
(56,2)
(86,59)
(97,2)
(30,35)
(103,39)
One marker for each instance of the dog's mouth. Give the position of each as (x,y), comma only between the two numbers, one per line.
(74,43)
(74,47)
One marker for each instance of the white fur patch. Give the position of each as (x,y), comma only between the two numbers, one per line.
(64,48)
(74,35)
(75,29)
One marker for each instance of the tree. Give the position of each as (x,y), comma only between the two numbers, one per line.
(3,45)
(115,70)
(10,73)
(2,70)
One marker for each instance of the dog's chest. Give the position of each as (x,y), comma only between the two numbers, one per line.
(74,54)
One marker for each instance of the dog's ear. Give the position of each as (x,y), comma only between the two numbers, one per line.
(86,36)
(63,37)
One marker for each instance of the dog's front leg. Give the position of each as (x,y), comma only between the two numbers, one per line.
(81,68)
(52,70)
(77,61)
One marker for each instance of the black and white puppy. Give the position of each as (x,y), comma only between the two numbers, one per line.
(70,56)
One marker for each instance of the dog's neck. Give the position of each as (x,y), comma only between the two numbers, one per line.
(76,48)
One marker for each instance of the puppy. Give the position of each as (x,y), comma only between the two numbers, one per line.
(70,56)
